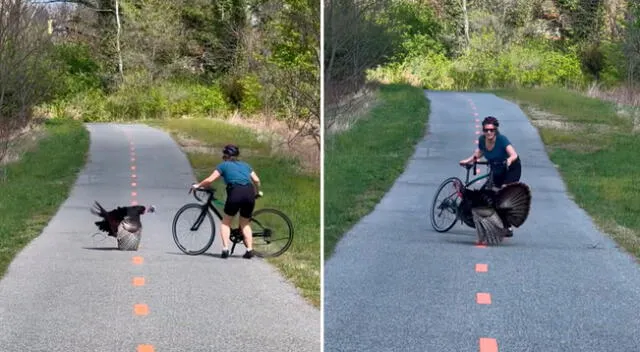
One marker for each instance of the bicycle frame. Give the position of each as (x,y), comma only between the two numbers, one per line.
(211,203)
(468,183)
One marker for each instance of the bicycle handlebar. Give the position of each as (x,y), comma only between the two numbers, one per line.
(477,162)
(211,191)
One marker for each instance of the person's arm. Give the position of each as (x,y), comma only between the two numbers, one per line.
(476,154)
(209,180)
(256,182)
(512,155)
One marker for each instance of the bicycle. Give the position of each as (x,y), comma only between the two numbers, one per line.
(212,203)
(454,203)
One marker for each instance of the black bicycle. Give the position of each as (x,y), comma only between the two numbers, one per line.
(453,203)
(262,234)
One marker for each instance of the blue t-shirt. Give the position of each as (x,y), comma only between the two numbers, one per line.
(235,172)
(499,151)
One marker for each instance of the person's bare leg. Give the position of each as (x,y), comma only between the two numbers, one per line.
(245,225)
(225,232)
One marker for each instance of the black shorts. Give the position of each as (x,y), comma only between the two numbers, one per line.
(240,198)
(508,176)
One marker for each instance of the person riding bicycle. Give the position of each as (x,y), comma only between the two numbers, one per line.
(500,154)
(241,195)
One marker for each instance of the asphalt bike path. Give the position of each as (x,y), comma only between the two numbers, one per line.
(394,284)
(71,291)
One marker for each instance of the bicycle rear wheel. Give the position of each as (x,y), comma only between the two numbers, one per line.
(448,206)
(197,217)
(272,232)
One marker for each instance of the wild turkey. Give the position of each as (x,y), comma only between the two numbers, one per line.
(494,211)
(123,223)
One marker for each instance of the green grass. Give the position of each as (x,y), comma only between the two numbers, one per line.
(362,163)
(37,184)
(285,188)
(599,166)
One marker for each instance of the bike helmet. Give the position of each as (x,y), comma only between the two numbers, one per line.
(230,150)
(491,120)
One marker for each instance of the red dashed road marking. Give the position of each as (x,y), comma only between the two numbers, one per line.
(488,344)
(141,309)
(483,298)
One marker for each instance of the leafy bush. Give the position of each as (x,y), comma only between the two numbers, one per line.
(243,93)
(169,99)
(526,65)
(195,99)
(78,71)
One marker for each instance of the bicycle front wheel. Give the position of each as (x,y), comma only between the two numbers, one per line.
(272,232)
(193,223)
(448,206)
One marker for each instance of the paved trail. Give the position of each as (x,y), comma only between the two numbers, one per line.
(68,291)
(394,284)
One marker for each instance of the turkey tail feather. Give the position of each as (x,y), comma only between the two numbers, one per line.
(99,210)
(489,226)
(513,203)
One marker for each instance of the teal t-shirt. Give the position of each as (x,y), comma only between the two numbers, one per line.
(235,172)
(499,151)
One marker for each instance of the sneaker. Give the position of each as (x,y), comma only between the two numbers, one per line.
(248,254)
(225,253)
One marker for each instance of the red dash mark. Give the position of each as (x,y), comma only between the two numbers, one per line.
(483,298)
(141,309)
(482,268)
(488,344)
(145,348)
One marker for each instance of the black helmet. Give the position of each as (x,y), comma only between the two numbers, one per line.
(490,120)
(231,150)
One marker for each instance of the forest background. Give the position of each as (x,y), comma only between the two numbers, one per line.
(106,60)
(590,46)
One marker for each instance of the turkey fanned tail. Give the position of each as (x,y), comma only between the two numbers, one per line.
(513,203)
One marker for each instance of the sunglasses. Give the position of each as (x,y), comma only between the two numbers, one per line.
(488,129)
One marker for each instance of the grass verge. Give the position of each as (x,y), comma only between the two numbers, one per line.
(38,183)
(285,188)
(362,162)
(595,148)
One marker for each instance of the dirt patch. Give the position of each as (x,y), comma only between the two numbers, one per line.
(23,141)
(271,131)
(341,116)
(545,119)
(283,139)
(627,100)
(191,145)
